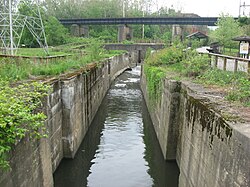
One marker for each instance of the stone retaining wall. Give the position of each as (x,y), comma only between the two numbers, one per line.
(70,107)
(191,126)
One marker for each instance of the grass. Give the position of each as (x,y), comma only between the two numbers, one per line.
(38,52)
(194,67)
(231,52)
(14,70)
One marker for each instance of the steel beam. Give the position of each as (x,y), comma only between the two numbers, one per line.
(210,21)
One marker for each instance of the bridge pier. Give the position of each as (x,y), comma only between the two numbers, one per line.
(124,33)
(84,31)
(74,30)
(79,30)
(177,32)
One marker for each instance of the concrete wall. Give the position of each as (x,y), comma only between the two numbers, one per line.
(70,107)
(137,51)
(189,123)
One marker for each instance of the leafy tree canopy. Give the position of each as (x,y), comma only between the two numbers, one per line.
(228,28)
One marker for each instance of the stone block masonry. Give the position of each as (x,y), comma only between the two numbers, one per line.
(193,126)
(70,108)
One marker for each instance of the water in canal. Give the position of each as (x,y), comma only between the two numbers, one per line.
(120,148)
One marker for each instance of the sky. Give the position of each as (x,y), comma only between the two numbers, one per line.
(208,8)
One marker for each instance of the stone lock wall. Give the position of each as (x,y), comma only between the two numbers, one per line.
(211,151)
(70,108)
(191,127)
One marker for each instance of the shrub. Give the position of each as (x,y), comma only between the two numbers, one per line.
(19,115)
(195,63)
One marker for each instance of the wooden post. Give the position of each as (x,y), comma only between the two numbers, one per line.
(225,64)
(216,61)
(248,68)
(235,65)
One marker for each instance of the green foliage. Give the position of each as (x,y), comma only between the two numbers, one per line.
(56,33)
(195,64)
(228,28)
(240,91)
(108,9)
(28,8)
(238,84)
(166,56)
(217,77)
(20,115)
(245,25)
(23,69)
(38,52)
(244,21)
(95,49)
(154,77)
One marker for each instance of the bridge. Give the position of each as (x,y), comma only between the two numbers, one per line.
(210,21)
(79,26)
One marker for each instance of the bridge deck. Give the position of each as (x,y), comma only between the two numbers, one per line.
(210,21)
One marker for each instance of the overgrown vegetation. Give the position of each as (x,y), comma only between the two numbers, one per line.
(237,84)
(20,104)
(154,76)
(20,115)
(92,50)
(188,64)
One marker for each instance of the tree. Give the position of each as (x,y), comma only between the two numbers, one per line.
(245,24)
(228,28)
(56,33)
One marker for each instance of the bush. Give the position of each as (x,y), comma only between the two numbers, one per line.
(19,115)
(195,64)
(166,56)
(154,76)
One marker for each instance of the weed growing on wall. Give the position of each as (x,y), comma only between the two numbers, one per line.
(20,115)
(154,68)
(155,77)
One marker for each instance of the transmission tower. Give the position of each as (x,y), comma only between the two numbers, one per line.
(12,25)
(244,9)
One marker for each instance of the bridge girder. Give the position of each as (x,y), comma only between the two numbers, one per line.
(209,21)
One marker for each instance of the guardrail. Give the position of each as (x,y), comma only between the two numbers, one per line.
(229,63)
(35,59)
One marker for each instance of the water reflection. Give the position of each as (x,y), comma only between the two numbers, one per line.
(120,148)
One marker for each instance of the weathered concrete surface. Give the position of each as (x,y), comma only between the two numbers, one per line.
(81,97)
(53,109)
(164,115)
(134,47)
(124,33)
(70,107)
(137,51)
(210,150)
(30,165)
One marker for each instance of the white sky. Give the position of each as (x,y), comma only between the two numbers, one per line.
(208,8)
